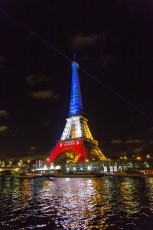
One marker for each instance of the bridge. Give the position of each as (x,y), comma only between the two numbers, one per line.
(14,169)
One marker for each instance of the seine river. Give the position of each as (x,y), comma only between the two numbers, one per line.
(75,203)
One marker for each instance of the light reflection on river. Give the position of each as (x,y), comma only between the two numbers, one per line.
(75,203)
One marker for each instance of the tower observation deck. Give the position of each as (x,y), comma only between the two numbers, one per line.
(76,143)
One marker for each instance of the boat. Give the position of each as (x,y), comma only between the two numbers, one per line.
(148,172)
(129,174)
(78,175)
(27,176)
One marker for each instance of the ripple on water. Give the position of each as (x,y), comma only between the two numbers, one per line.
(75,203)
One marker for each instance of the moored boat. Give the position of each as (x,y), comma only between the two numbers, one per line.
(78,175)
(148,172)
(129,174)
(27,176)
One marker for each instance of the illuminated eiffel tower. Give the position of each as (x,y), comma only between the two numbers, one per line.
(76,143)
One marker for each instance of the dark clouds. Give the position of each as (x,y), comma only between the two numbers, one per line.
(37,79)
(135,141)
(44,94)
(2,62)
(3,114)
(3,120)
(3,129)
(84,40)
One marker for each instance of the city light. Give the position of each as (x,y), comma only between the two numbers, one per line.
(89,168)
(45,167)
(138,158)
(58,167)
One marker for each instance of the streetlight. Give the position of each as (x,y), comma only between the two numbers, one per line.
(89,168)
(138,158)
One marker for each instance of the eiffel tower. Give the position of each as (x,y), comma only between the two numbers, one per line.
(76,143)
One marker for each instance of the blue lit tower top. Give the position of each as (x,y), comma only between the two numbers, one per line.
(76,101)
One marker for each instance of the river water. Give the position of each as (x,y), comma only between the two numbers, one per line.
(76,203)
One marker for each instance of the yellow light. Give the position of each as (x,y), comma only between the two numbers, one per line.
(138,158)
(28,161)
(148,156)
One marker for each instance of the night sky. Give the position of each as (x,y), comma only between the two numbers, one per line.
(113,42)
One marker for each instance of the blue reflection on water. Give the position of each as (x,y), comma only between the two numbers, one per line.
(75,203)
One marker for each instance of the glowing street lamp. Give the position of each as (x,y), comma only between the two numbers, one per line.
(138,158)
(45,167)
(89,168)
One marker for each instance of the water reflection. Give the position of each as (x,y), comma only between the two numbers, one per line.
(61,203)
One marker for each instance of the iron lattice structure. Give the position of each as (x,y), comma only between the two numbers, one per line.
(76,143)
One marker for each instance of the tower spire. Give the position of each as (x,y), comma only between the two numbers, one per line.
(74,57)
(76,107)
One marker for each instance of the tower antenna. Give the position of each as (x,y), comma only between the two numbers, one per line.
(74,56)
